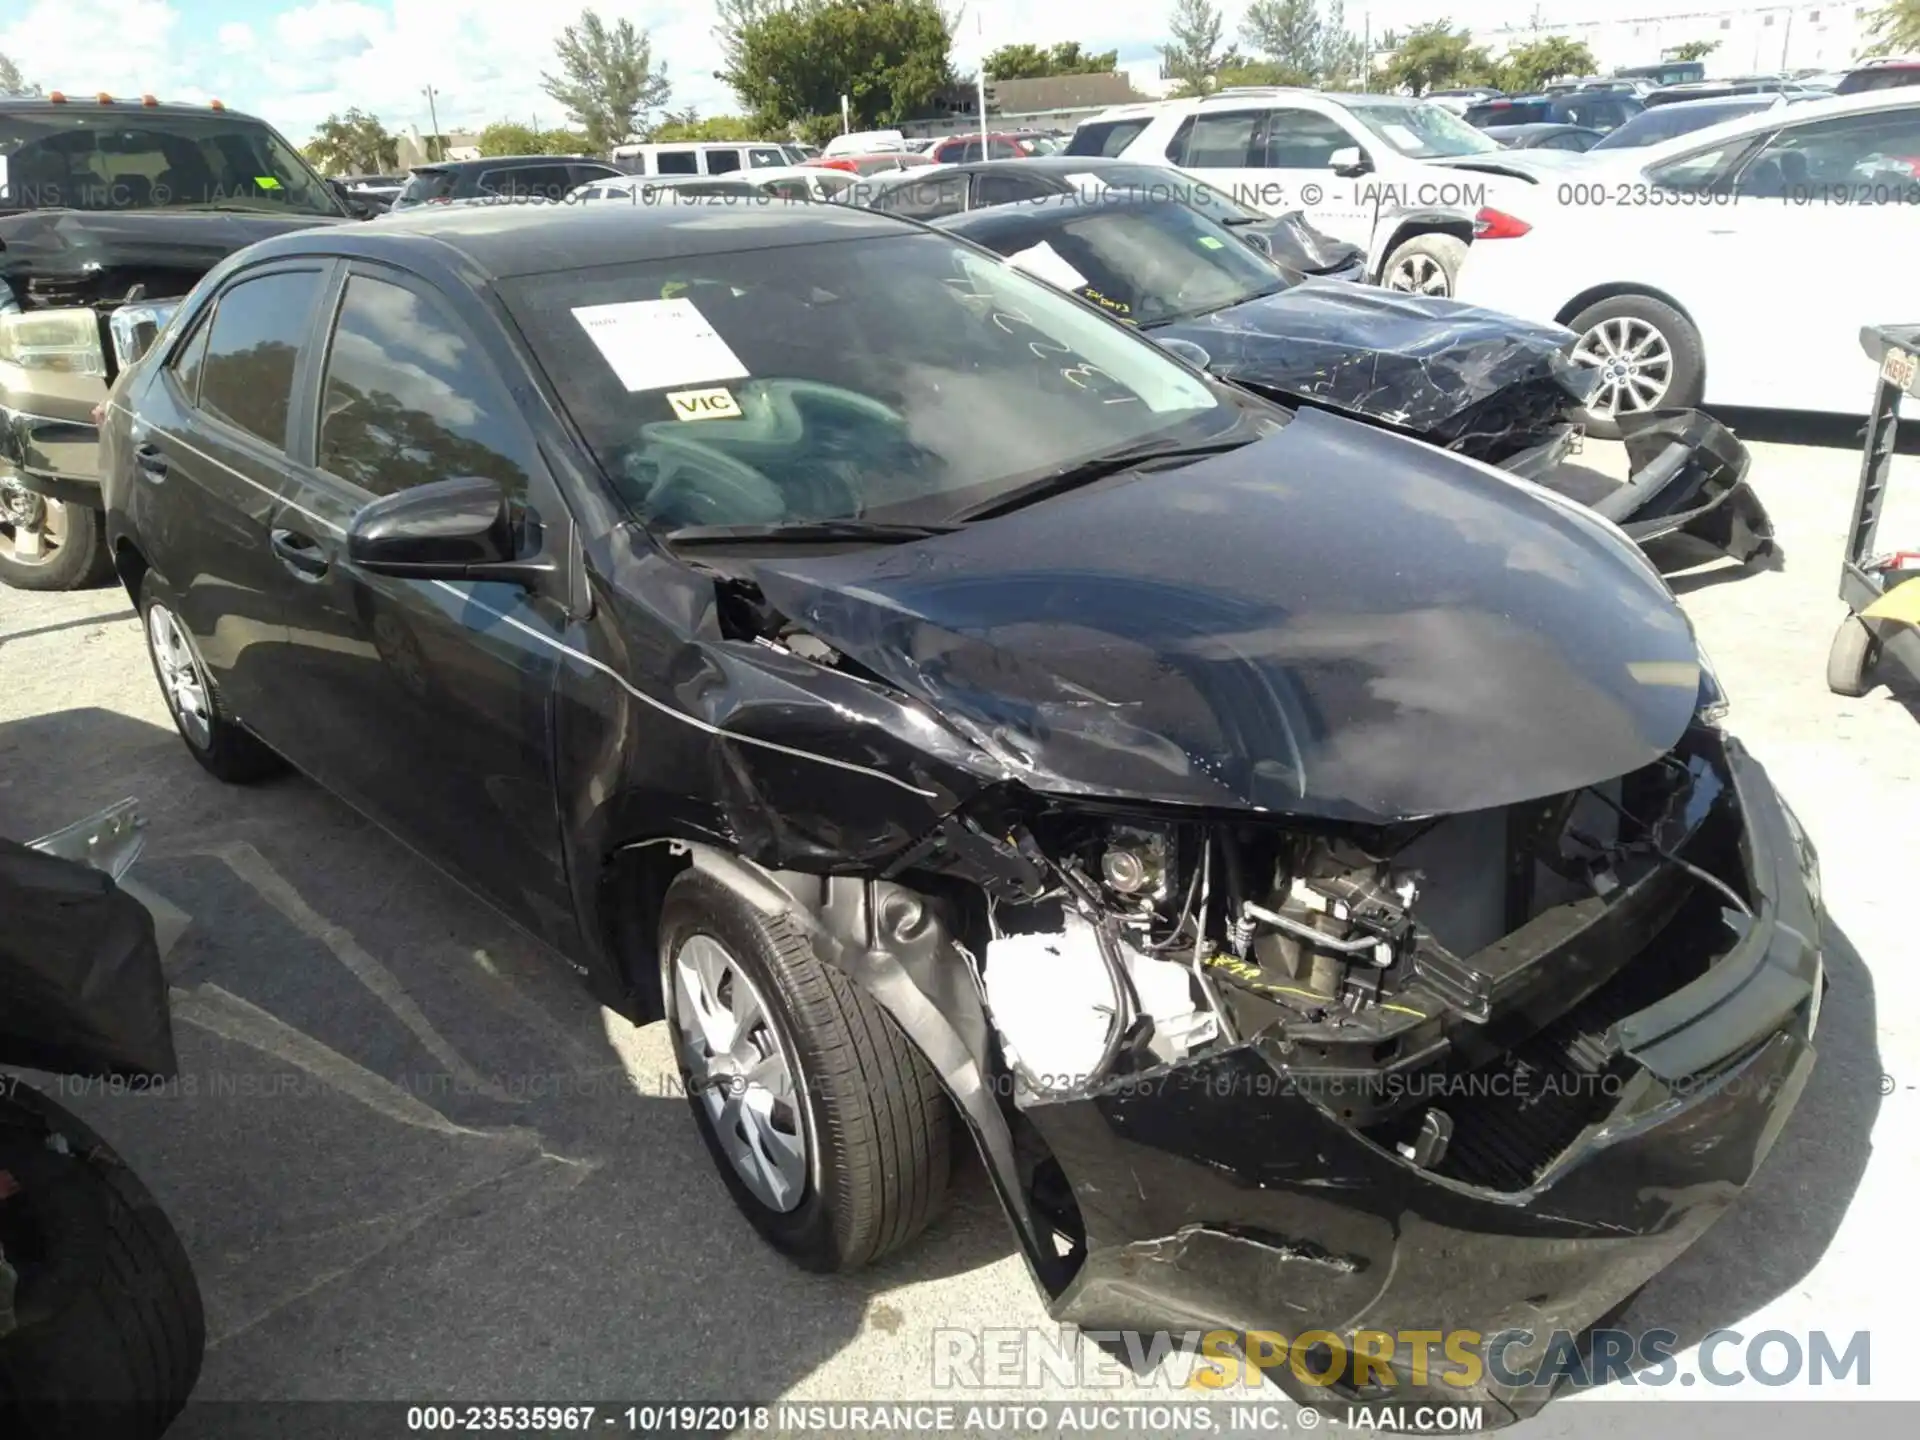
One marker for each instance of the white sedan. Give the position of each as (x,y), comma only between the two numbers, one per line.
(1731,266)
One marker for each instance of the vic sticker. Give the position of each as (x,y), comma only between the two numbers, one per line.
(716,404)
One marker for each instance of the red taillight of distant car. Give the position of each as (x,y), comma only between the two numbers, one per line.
(1491,224)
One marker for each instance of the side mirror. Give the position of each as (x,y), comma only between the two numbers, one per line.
(1348,161)
(462,529)
(1193,354)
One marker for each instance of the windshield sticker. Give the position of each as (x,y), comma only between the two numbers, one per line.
(266,182)
(1043,262)
(1401,136)
(714,404)
(654,344)
(1213,242)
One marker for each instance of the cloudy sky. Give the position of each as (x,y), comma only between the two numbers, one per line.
(294,63)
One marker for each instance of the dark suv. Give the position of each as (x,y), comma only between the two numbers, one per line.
(519,177)
(104,202)
(1592,109)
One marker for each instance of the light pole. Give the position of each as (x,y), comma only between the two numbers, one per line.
(433,119)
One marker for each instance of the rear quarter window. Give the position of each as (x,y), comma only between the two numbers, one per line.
(1105,137)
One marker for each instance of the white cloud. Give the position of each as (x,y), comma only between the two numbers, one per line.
(236,38)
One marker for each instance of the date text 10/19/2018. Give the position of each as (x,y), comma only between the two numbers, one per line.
(935,1418)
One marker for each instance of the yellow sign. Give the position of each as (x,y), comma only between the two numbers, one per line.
(1902,602)
(266,182)
(715,404)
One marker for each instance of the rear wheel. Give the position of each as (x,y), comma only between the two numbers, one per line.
(110,1328)
(828,1126)
(224,748)
(1851,657)
(50,544)
(1648,355)
(1425,265)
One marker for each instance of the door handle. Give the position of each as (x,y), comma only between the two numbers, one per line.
(152,463)
(300,553)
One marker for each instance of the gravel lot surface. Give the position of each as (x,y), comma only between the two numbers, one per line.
(412,1160)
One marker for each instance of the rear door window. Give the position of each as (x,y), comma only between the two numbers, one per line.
(1219,140)
(425,185)
(925,199)
(676,162)
(521,182)
(722,162)
(1007,187)
(259,332)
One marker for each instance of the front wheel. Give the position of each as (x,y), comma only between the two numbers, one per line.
(1648,355)
(109,1331)
(828,1126)
(50,544)
(1851,658)
(1426,265)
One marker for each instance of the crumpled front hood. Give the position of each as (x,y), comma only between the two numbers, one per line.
(70,244)
(1334,621)
(1415,361)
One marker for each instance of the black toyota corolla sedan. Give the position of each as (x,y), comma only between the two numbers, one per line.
(939,703)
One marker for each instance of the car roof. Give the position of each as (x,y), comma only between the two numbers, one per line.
(119,105)
(500,241)
(1760,122)
(496,162)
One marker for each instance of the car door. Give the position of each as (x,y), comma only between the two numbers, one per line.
(1799,256)
(1222,148)
(1295,149)
(211,443)
(425,703)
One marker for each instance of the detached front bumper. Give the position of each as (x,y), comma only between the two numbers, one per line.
(1221,1196)
(1687,500)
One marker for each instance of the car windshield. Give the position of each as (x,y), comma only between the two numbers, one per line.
(1422,132)
(897,378)
(1144,264)
(98,159)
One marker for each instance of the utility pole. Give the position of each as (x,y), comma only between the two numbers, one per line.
(433,118)
(980,27)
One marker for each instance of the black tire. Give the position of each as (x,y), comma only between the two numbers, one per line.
(231,752)
(83,561)
(1851,657)
(1687,379)
(880,1128)
(112,1332)
(1427,254)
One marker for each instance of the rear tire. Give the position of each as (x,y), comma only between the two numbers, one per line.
(1851,657)
(225,748)
(1637,315)
(877,1127)
(112,1331)
(1425,265)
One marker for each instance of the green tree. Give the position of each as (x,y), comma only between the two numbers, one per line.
(509,137)
(1435,56)
(1895,28)
(1286,35)
(1033,62)
(608,81)
(691,127)
(1192,58)
(796,59)
(1693,50)
(1343,54)
(12,82)
(1540,62)
(355,143)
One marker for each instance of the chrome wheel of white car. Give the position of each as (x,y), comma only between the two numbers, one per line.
(736,1062)
(1635,362)
(180,678)
(1418,274)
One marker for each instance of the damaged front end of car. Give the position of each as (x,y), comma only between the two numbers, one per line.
(1495,389)
(1304,954)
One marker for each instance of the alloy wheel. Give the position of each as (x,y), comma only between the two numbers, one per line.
(180,677)
(1635,364)
(1418,275)
(33,528)
(738,1065)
